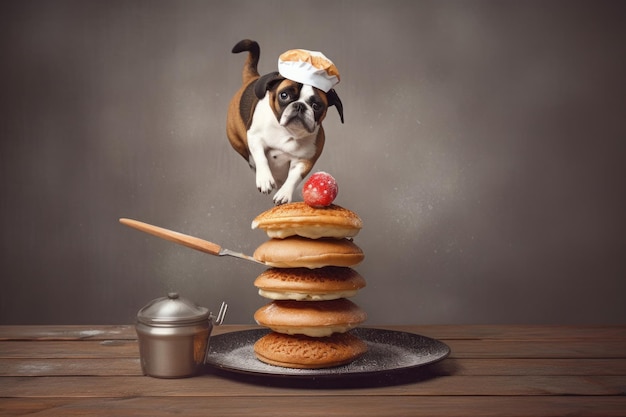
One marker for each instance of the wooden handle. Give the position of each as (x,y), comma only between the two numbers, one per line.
(182,239)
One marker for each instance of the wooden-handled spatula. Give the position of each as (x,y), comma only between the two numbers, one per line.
(186,240)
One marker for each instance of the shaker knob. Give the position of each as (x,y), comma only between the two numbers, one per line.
(172,295)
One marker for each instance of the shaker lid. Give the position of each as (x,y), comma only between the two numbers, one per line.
(172,310)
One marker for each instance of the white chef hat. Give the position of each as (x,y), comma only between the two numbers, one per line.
(308,67)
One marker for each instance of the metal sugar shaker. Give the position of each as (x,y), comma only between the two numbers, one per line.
(174,336)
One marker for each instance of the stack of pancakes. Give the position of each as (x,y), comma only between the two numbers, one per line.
(310,254)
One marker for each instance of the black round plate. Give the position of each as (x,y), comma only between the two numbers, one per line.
(388,351)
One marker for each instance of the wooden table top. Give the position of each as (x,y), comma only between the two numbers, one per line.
(491,371)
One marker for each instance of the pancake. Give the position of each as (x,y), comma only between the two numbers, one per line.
(297,351)
(299,252)
(300,219)
(303,284)
(311,318)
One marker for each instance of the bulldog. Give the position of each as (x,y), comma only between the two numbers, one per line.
(275,121)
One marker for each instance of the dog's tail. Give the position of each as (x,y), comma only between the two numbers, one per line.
(250,67)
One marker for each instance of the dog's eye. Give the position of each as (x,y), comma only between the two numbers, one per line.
(315,106)
(284,95)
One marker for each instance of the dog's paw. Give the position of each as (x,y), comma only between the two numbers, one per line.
(283,195)
(265,183)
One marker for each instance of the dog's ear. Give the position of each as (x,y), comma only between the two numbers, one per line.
(334,100)
(266,82)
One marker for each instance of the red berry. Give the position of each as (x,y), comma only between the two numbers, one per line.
(320,190)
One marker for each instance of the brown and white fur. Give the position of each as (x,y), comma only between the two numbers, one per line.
(276,125)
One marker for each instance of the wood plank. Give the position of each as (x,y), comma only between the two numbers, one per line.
(600,349)
(73,332)
(518,332)
(460,349)
(70,349)
(314,406)
(211,386)
(450,366)
(582,367)
(70,367)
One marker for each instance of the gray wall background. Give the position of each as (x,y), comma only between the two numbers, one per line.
(483,147)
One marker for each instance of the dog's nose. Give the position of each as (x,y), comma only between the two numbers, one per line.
(299,107)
